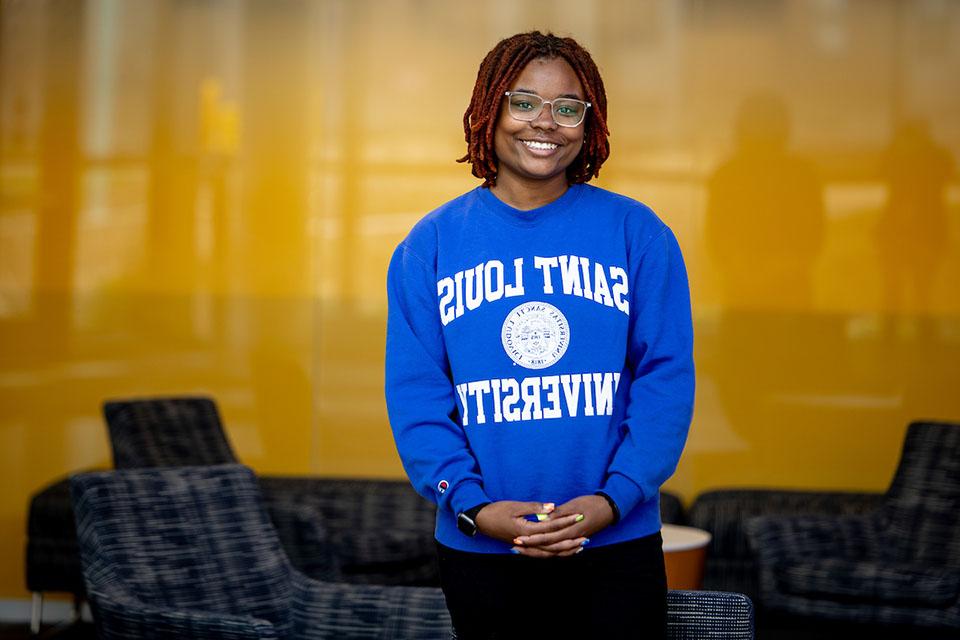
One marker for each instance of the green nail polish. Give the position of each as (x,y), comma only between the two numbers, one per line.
(541,517)
(578,518)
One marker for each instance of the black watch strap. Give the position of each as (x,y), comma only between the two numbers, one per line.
(467,520)
(473,511)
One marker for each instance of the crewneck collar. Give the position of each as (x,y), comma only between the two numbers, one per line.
(530,217)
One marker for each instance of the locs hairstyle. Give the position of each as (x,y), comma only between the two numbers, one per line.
(499,69)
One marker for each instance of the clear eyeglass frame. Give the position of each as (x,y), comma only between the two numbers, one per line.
(529,116)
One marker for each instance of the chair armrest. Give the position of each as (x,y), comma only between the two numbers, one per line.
(327,610)
(52,553)
(302,534)
(776,539)
(122,616)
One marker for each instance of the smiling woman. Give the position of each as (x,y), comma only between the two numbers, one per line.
(566,70)
(539,371)
(535,151)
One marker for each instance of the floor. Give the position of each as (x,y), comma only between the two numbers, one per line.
(766,630)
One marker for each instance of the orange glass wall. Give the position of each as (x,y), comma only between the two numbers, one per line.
(202,198)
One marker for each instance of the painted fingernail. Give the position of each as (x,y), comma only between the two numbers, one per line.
(514,551)
(517,541)
(585,542)
(578,551)
(542,516)
(578,518)
(549,506)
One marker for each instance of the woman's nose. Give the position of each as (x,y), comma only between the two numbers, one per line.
(545,119)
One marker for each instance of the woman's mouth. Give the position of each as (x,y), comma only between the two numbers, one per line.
(539,146)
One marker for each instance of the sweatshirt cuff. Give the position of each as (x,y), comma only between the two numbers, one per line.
(465,495)
(624,492)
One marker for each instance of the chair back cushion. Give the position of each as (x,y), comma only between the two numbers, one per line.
(166,432)
(183,538)
(693,615)
(921,510)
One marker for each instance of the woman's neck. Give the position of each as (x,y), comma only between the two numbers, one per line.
(526,195)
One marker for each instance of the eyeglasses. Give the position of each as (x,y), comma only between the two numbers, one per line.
(567,112)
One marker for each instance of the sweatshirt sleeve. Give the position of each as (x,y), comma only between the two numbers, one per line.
(660,361)
(421,401)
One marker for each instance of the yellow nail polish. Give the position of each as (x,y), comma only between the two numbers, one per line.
(578,518)
(542,516)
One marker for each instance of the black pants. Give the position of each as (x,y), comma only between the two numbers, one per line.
(614,591)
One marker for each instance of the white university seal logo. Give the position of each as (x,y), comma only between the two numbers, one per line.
(535,335)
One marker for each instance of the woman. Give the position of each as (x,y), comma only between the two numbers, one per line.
(539,373)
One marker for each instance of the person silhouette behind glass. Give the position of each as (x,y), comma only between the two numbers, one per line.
(912,233)
(765,214)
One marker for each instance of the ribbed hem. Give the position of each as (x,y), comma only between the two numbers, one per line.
(623,491)
(466,495)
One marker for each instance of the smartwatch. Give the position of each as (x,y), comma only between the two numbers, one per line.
(467,520)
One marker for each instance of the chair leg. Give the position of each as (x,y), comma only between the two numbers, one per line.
(36,615)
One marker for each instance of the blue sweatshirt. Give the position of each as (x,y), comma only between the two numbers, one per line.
(539,355)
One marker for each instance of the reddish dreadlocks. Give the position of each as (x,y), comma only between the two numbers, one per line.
(499,69)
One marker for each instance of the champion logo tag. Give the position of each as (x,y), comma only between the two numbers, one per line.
(442,486)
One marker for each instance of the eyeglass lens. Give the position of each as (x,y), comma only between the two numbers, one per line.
(566,112)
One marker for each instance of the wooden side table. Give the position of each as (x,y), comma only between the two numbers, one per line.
(684,554)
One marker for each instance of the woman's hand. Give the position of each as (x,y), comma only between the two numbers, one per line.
(506,520)
(582,517)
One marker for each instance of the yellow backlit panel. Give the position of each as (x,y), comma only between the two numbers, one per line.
(203,198)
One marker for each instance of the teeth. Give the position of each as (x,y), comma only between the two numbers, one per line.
(546,146)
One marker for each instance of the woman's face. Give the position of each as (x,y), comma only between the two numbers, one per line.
(539,150)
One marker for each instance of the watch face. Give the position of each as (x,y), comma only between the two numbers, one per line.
(466,525)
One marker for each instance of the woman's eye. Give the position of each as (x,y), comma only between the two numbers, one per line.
(526,106)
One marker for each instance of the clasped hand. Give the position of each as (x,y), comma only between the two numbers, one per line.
(564,531)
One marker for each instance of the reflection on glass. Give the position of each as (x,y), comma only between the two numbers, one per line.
(913,233)
(203,197)
(765,215)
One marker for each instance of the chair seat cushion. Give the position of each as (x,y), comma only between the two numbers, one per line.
(884,582)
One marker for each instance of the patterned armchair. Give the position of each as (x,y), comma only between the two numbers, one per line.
(359,531)
(189,552)
(899,564)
